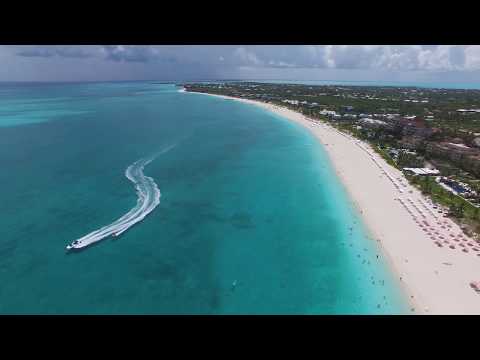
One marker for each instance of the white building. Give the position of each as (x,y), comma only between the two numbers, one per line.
(328,112)
(422,171)
(372,122)
(293,102)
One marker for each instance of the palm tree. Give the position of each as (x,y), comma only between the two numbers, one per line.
(426,185)
(461,210)
(450,195)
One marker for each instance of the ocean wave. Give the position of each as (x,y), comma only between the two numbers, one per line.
(148,198)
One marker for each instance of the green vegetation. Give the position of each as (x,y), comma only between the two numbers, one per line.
(409,160)
(442,104)
(385,156)
(458,207)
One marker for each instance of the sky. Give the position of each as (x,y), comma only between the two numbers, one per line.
(423,63)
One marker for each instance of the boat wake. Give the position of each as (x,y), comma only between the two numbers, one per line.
(148,199)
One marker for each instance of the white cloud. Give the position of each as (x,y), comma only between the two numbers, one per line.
(247,57)
(130,53)
(472,57)
(387,57)
(228,60)
(382,57)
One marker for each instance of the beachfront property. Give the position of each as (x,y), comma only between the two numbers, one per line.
(412,142)
(453,150)
(292,102)
(468,111)
(458,153)
(422,171)
(372,123)
(390,122)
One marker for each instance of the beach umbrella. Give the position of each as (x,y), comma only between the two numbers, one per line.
(452,247)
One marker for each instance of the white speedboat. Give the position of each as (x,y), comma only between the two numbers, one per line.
(73,245)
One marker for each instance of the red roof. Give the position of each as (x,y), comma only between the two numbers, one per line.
(419,122)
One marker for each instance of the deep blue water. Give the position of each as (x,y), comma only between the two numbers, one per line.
(246,197)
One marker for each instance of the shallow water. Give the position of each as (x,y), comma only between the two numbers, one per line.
(248,198)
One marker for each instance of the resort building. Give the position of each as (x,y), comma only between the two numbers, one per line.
(412,142)
(450,150)
(464,156)
(292,102)
(422,171)
(372,123)
(328,113)
(466,111)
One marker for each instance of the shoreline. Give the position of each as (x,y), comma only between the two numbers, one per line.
(432,266)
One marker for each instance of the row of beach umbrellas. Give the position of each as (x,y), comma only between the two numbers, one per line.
(431,230)
(452,240)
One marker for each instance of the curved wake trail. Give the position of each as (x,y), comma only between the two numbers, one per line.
(148,199)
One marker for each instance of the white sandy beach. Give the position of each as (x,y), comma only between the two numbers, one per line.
(434,262)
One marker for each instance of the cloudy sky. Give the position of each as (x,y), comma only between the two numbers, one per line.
(458,63)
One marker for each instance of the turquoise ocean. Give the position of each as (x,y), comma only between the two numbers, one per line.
(252,218)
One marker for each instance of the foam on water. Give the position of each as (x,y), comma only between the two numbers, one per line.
(148,199)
